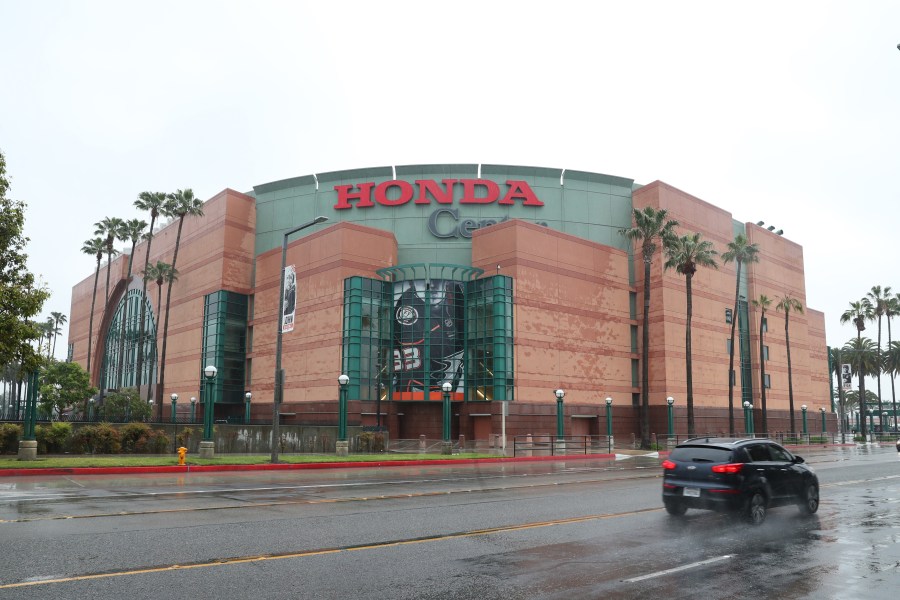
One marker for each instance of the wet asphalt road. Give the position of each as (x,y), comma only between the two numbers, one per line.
(578,529)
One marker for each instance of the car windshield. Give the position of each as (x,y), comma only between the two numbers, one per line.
(701,454)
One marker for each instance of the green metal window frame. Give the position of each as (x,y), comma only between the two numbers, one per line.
(116,348)
(225,345)
(367,355)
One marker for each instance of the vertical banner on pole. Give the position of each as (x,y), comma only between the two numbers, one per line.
(289,293)
(845,377)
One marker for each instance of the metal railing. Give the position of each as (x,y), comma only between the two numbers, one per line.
(547,445)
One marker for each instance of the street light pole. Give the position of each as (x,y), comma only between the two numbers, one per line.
(560,394)
(174,407)
(446,445)
(746,417)
(208,444)
(670,401)
(609,434)
(342,445)
(803,408)
(822,410)
(90,409)
(279,374)
(247,397)
(193,409)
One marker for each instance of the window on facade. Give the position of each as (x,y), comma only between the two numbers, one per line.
(728,315)
(225,344)
(765,353)
(765,324)
(768,381)
(728,346)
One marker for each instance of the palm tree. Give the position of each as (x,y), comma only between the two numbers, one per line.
(159,272)
(859,313)
(131,230)
(739,251)
(95,247)
(763,303)
(892,366)
(58,319)
(109,227)
(48,329)
(651,227)
(835,363)
(685,254)
(786,304)
(864,354)
(878,297)
(892,309)
(155,203)
(180,204)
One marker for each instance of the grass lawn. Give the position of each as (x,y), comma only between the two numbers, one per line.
(11,462)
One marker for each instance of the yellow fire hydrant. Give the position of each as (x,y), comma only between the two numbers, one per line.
(182,452)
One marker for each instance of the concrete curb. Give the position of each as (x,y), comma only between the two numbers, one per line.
(285,466)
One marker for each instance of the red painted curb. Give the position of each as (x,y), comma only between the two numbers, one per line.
(283,466)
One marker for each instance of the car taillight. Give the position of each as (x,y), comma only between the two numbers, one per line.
(668,464)
(728,468)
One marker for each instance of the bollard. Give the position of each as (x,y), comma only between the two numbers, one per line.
(421,444)
(182,452)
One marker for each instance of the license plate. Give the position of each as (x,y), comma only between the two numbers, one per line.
(692,492)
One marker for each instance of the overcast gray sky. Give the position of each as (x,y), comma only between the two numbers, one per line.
(785,112)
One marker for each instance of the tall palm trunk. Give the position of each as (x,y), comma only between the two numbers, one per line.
(762,375)
(893,391)
(141,331)
(162,359)
(862,385)
(688,362)
(731,373)
(645,357)
(878,379)
(91,320)
(158,311)
(787,342)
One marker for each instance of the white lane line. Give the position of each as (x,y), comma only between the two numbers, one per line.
(702,563)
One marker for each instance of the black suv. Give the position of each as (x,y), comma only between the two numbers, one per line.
(744,476)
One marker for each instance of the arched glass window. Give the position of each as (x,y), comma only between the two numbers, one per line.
(121,350)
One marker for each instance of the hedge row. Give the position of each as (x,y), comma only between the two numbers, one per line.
(58,438)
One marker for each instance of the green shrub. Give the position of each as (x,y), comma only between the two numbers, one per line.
(97,439)
(53,438)
(184,438)
(9,437)
(134,437)
(158,442)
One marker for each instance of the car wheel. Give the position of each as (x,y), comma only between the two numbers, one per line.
(675,507)
(810,501)
(756,509)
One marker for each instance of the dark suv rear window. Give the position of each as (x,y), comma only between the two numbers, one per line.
(701,454)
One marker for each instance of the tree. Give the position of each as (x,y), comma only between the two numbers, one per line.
(64,385)
(763,303)
(155,204)
(131,230)
(879,297)
(652,227)
(58,319)
(739,251)
(110,228)
(864,355)
(685,254)
(892,365)
(786,304)
(159,272)
(859,313)
(21,298)
(94,247)
(836,362)
(50,331)
(180,204)
(124,405)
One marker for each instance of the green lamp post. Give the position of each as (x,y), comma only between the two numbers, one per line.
(446,445)
(193,409)
(560,394)
(822,410)
(174,407)
(247,397)
(803,408)
(747,417)
(342,446)
(609,434)
(208,444)
(670,402)
(90,409)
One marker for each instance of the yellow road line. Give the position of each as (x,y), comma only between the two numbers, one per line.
(324,551)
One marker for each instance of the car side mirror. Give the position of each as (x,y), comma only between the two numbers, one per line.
(798,459)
